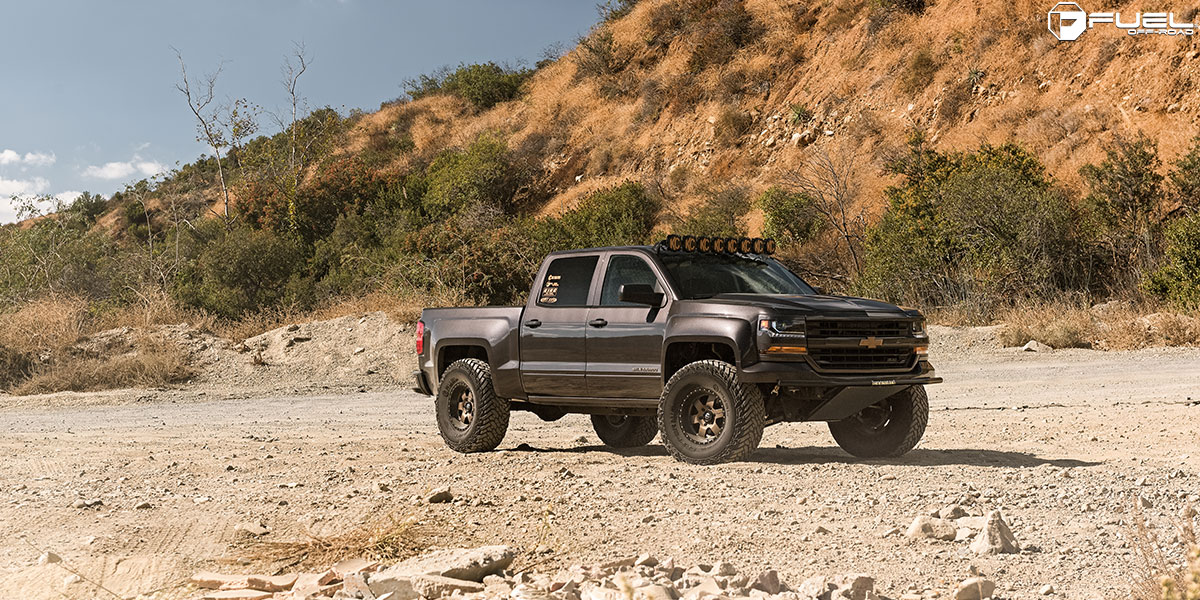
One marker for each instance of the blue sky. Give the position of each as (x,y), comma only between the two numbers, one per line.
(89,102)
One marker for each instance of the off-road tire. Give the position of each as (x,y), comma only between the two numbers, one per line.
(489,414)
(908,414)
(624,431)
(742,406)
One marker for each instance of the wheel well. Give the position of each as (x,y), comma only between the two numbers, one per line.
(681,353)
(450,354)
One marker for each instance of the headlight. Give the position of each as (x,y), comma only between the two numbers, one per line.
(793,326)
(918,327)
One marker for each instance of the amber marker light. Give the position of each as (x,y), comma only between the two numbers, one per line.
(689,243)
(719,245)
(705,244)
(922,350)
(674,243)
(787,350)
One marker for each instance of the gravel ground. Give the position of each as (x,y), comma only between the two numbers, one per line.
(1064,443)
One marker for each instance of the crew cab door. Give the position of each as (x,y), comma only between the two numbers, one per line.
(553,352)
(624,340)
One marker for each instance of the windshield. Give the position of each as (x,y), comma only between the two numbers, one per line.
(707,275)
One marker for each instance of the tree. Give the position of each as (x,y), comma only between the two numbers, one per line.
(1126,190)
(208,126)
(827,182)
(1185,179)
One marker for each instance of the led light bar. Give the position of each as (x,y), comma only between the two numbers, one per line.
(718,245)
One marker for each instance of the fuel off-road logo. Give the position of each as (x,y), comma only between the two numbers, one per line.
(1067,21)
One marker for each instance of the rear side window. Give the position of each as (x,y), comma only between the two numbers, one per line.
(568,281)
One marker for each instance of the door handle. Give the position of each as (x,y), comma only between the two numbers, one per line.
(597,322)
(533,323)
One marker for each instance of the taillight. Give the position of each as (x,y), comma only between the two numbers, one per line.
(420,337)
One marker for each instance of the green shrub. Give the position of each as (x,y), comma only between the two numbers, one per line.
(799,114)
(618,216)
(789,218)
(1185,179)
(483,174)
(1125,191)
(977,228)
(1178,279)
(237,271)
(484,84)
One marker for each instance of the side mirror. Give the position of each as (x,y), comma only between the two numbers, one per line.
(641,293)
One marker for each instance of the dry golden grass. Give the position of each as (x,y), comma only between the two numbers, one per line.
(395,536)
(1109,327)
(151,362)
(1158,575)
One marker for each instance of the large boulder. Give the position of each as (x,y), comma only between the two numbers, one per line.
(464,564)
(933,528)
(996,537)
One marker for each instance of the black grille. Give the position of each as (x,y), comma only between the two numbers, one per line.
(845,359)
(858,329)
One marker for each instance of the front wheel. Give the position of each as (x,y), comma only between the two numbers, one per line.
(624,431)
(469,415)
(708,416)
(887,429)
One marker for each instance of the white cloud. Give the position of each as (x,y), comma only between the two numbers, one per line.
(67,197)
(29,159)
(20,187)
(122,170)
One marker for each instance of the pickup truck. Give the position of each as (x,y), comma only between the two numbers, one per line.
(705,341)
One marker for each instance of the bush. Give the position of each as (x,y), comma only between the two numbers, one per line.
(484,85)
(976,228)
(1185,179)
(918,73)
(618,216)
(611,10)
(483,174)
(237,271)
(599,56)
(719,214)
(719,29)
(789,218)
(1125,191)
(730,126)
(1178,280)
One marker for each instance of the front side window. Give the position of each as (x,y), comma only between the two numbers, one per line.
(568,281)
(624,269)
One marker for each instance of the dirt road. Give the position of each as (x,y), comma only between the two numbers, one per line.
(1064,443)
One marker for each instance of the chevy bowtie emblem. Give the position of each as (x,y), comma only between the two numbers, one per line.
(871,342)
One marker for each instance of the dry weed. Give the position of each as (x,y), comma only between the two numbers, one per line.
(1110,326)
(395,536)
(1057,325)
(153,361)
(1160,574)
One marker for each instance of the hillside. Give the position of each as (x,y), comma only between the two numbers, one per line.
(854,66)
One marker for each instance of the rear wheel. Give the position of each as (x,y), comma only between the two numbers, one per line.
(624,431)
(889,428)
(469,415)
(707,416)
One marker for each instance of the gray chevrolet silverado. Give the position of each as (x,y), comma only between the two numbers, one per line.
(704,340)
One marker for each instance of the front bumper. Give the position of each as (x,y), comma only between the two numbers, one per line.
(800,374)
(421,385)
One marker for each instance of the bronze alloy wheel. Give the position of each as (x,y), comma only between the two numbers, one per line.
(462,407)
(703,415)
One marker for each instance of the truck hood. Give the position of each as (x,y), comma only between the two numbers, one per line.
(822,305)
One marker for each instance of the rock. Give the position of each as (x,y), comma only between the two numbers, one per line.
(253,529)
(1046,590)
(213,581)
(439,496)
(271,583)
(1036,346)
(963,534)
(655,592)
(855,587)
(467,564)
(996,537)
(975,523)
(237,595)
(308,584)
(399,585)
(355,586)
(951,512)
(359,350)
(48,558)
(143,506)
(436,586)
(71,580)
(79,504)
(768,581)
(708,587)
(816,587)
(351,566)
(932,528)
(975,588)
(1145,502)
(725,570)
(645,560)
